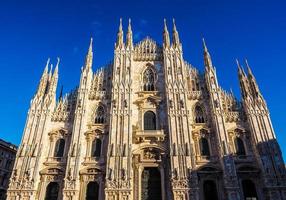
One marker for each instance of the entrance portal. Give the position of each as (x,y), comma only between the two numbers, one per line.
(151,184)
(249,190)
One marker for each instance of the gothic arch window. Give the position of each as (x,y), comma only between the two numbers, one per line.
(96,148)
(199,115)
(249,190)
(204,147)
(149,80)
(52,191)
(210,190)
(239,146)
(59,148)
(149,120)
(92,191)
(99,117)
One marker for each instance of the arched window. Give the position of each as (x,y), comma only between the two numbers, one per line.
(149,120)
(239,146)
(92,191)
(249,190)
(99,117)
(59,148)
(210,191)
(149,80)
(204,146)
(96,148)
(199,115)
(52,191)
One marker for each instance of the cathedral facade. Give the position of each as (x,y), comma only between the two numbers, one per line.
(148,126)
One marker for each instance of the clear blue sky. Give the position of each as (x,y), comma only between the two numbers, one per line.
(33,31)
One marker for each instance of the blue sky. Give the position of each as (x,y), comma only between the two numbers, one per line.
(32,31)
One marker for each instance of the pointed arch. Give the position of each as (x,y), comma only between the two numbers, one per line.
(199,115)
(149,76)
(100,115)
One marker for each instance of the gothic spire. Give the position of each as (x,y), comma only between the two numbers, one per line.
(46,68)
(248,68)
(50,72)
(119,41)
(240,69)
(207,57)
(166,38)
(44,80)
(129,38)
(252,80)
(55,74)
(175,38)
(89,55)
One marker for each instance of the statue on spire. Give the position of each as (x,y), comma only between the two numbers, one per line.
(175,39)
(129,38)
(207,56)
(252,81)
(119,41)
(166,38)
(89,55)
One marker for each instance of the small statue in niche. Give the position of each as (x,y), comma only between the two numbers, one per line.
(182,103)
(171,103)
(123,174)
(125,103)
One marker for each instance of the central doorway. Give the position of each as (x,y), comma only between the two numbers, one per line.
(151,184)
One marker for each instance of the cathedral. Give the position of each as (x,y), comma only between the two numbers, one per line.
(148,126)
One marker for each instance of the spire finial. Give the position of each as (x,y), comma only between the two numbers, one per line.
(207,56)
(57,67)
(89,55)
(174,24)
(166,38)
(129,24)
(205,46)
(120,24)
(129,38)
(90,45)
(237,63)
(240,69)
(248,67)
(47,65)
(176,40)
(119,41)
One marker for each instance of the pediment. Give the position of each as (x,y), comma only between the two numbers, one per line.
(145,97)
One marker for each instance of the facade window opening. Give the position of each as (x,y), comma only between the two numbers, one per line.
(210,190)
(96,148)
(239,146)
(59,148)
(99,118)
(204,145)
(149,120)
(92,191)
(199,115)
(52,191)
(149,80)
(249,190)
